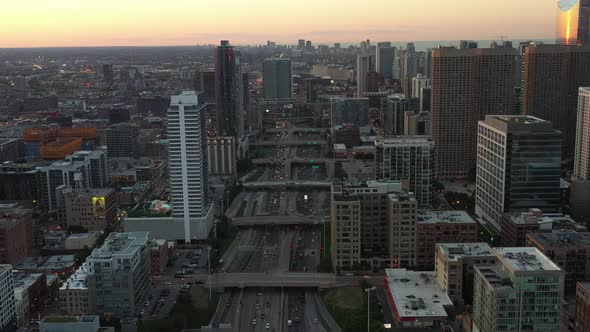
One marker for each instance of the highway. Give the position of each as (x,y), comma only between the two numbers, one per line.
(269,273)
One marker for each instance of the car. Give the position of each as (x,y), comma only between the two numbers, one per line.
(259,293)
(268,304)
(267,326)
(289,323)
(257,306)
(168,283)
(254,321)
(315,320)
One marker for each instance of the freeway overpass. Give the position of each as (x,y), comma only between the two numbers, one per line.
(291,142)
(287,184)
(305,161)
(291,279)
(277,220)
(295,130)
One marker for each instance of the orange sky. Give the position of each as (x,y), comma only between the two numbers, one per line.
(32,23)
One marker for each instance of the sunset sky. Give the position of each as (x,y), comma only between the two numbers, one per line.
(32,23)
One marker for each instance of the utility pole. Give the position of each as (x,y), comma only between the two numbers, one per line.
(369,290)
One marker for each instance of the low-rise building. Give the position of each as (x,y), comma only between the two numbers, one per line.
(435,227)
(16,233)
(570,250)
(417,300)
(72,324)
(158,256)
(79,241)
(454,268)
(28,291)
(515,226)
(56,264)
(92,209)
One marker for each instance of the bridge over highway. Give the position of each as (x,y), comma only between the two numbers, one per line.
(286,184)
(310,161)
(290,279)
(292,142)
(277,220)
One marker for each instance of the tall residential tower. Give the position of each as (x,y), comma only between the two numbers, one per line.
(188,164)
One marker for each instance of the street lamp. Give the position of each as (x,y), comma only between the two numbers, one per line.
(369,290)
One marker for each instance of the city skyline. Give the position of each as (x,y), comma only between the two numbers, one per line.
(132,23)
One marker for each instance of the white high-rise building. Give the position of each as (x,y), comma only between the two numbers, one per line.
(582,155)
(188,164)
(418,83)
(7,299)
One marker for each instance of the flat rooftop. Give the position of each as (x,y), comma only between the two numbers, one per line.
(561,239)
(416,294)
(404,140)
(525,259)
(121,244)
(47,263)
(4,267)
(24,280)
(455,251)
(455,217)
(69,319)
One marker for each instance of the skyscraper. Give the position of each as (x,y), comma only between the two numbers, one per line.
(107,72)
(407,158)
(409,68)
(384,59)
(552,76)
(582,154)
(518,167)
(364,64)
(393,114)
(122,140)
(228,91)
(466,85)
(278,78)
(573,22)
(188,163)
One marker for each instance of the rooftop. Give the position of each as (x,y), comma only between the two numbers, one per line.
(4,267)
(47,263)
(23,280)
(561,239)
(404,140)
(69,319)
(78,280)
(121,244)
(416,294)
(456,217)
(455,251)
(525,259)
(517,119)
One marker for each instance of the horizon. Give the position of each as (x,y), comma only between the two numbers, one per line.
(137,23)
